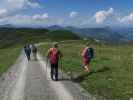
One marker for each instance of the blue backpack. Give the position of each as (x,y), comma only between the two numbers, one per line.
(90,53)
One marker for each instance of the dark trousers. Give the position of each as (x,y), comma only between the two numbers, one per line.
(54,71)
(28,56)
(35,55)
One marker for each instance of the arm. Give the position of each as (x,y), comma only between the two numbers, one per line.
(48,54)
(81,51)
(60,54)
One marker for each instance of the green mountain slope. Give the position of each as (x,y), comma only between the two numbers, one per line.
(62,35)
(111,69)
(11,36)
(17,36)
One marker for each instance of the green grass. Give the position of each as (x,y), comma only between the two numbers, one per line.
(8,57)
(20,36)
(16,37)
(112,69)
(59,35)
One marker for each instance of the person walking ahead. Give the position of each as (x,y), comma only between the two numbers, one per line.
(34,51)
(27,50)
(87,55)
(54,55)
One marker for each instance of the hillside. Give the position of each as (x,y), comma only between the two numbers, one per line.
(111,69)
(106,34)
(103,34)
(62,35)
(108,68)
(11,36)
(55,27)
(8,57)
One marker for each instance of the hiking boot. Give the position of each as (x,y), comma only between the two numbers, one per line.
(56,79)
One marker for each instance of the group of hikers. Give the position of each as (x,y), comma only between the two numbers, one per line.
(30,49)
(54,55)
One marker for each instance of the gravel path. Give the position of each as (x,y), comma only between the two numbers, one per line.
(30,81)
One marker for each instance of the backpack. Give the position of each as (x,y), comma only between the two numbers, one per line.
(54,55)
(89,53)
(34,49)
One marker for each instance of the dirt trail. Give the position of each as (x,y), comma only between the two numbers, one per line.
(30,81)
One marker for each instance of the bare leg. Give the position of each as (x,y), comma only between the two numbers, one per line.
(87,68)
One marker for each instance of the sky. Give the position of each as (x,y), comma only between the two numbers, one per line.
(79,13)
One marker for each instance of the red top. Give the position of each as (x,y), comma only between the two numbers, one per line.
(83,54)
(54,55)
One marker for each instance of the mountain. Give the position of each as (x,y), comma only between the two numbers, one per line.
(6,26)
(55,27)
(17,36)
(127,32)
(62,35)
(104,34)
(108,34)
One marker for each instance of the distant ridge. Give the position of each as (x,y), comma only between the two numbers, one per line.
(7,26)
(17,36)
(106,34)
(55,27)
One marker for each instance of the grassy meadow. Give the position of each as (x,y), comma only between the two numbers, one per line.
(8,57)
(15,38)
(111,69)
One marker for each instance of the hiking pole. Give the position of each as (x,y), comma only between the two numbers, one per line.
(61,68)
(46,67)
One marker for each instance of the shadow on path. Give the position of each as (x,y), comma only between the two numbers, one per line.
(64,79)
(82,76)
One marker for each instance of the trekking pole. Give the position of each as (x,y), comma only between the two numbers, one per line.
(46,67)
(61,68)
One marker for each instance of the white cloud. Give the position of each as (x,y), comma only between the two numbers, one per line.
(22,17)
(3,13)
(36,20)
(15,4)
(33,4)
(73,14)
(26,19)
(101,16)
(126,19)
(40,17)
(10,7)
(22,4)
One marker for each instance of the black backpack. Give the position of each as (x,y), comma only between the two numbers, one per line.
(34,50)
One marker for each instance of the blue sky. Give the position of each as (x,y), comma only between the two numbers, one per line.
(80,13)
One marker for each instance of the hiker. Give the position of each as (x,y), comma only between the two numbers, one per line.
(87,55)
(27,50)
(54,55)
(34,51)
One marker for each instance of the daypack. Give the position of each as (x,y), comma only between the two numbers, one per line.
(54,55)
(27,50)
(89,54)
(34,49)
